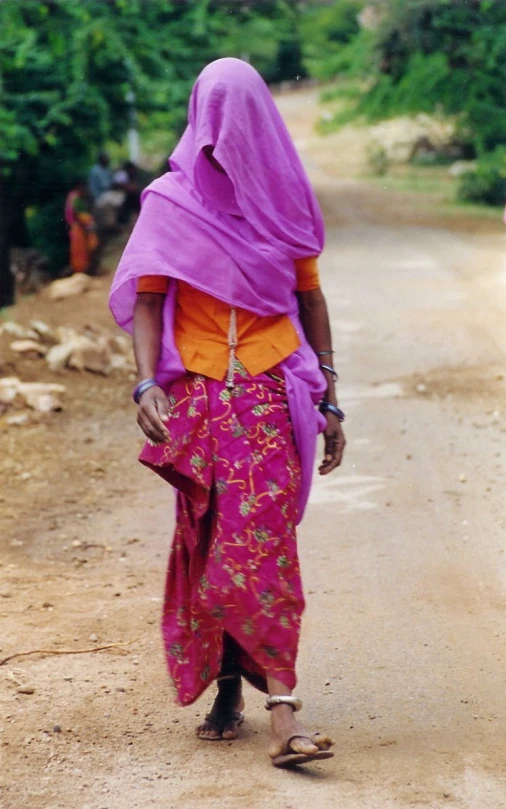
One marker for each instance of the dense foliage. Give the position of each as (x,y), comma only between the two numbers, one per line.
(448,55)
(434,55)
(486,183)
(327,35)
(68,69)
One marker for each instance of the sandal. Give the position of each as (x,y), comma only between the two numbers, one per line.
(222,717)
(293,758)
(220,722)
(288,757)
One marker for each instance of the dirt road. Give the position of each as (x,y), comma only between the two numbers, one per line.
(404,645)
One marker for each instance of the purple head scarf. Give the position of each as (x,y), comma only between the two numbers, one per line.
(232,110)
(233,233)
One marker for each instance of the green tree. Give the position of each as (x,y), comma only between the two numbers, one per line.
(326,29)
(449,55)
(425,55)
(66,68)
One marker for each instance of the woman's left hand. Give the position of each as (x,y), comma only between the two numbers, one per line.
(334,444)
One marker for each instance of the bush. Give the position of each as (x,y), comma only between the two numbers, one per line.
(377,159)
(48,233)
(331,38)
(486,184)
(426,56)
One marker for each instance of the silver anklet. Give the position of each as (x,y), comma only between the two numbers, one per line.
(294,702)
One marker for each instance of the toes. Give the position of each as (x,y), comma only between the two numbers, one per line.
(229,733)
(303,745)
(206,732)
(322,741)
(209,734)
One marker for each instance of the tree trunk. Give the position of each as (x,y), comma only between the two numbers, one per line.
(7,282)
(14,193)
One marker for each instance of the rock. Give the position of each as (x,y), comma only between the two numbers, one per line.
(68,287)
(41,396)
(44,331)
(401,137)
(89,355)
(421,388)
(15,330)
(9,387)
(25,689)
(58,356)
(460,167)
(57,729)
(93,638)
(121,345)
(44,402)
(29,347)
(121,363)
(17,419)
(64,334)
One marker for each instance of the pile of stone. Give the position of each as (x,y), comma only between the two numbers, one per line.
(402,139)
(41,396)
(73,285)
(95,350)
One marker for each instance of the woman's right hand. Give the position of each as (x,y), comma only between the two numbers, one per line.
(152,412)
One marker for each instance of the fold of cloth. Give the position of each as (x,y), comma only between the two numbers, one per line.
(233,570)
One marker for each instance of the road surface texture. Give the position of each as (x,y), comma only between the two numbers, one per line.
(404,644)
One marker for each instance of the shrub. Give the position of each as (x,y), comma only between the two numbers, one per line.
(486,184)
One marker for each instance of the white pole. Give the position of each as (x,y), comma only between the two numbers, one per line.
(133,141)
(134,145)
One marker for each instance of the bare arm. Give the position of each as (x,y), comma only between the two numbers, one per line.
(315,322)
(148,325)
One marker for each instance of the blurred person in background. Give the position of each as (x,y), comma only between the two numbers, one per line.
(219,284)
(100,178)
(81,228)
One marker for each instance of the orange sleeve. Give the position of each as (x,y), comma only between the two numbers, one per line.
(308,277)
(153,283)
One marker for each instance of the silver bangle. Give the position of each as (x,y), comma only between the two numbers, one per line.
(294,702)
(330,370)
(142,387)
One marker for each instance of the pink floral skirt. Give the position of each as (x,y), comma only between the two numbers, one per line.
(233,575)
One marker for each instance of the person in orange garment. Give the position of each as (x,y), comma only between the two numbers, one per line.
(81,225)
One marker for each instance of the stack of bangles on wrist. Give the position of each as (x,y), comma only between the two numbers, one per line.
(328,407)
(142,387)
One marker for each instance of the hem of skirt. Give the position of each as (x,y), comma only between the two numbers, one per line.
(181,482)
(258,681)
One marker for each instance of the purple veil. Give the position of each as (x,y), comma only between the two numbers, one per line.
(236,234)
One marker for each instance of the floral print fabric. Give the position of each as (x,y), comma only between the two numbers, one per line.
(233,569)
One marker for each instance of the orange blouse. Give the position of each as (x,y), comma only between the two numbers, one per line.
(202,323)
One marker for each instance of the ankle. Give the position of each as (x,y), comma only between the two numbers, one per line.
(281,712)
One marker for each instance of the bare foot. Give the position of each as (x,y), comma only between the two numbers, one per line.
(289,737)
(226,714)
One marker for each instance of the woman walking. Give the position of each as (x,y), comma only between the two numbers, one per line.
(219,285)
(82,233)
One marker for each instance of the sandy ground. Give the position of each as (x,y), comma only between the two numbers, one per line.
(404,643)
